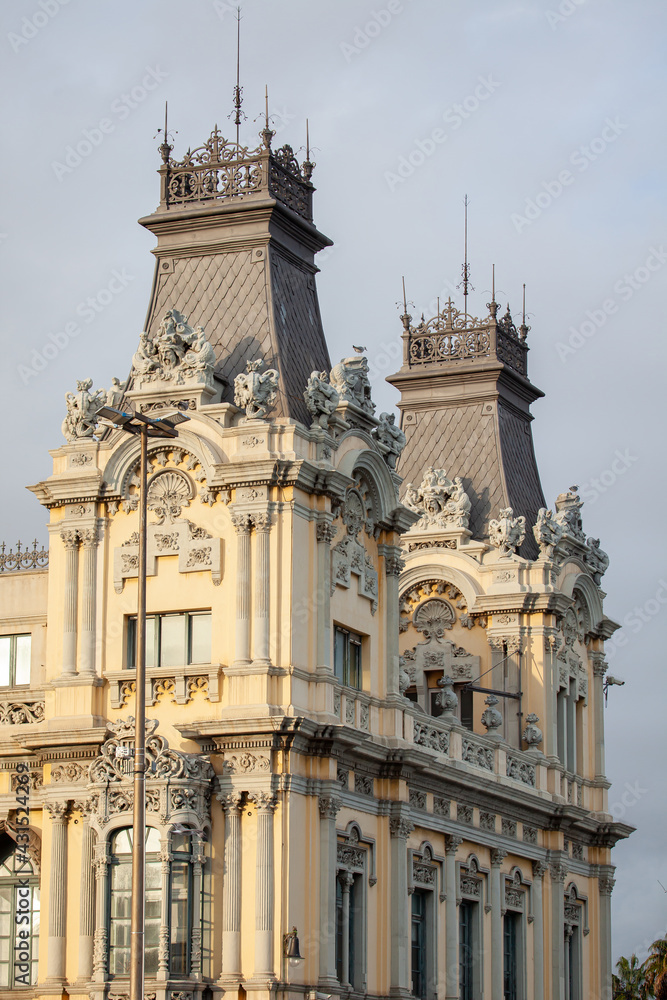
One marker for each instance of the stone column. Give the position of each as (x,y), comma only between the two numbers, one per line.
(198,862)
(572,728)
(451,919)
(326,532)
(329,806)
(539,869)
(393,567)
(400,828)
(262,582)
(347,881)
(163,940)
(55,963)
(71,542)
(599,670)
(606,885)
(87,651)
(231,888)
(497,975)
(87,902)
(242,524)
(558,874)
(101,940)
(265,803)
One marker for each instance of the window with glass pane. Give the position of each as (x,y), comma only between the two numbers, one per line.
(466,944)
(173,640)
(347,657)
(510,940)
(120,897)
(180,894)
(19,917)
(418,950)
(14,660)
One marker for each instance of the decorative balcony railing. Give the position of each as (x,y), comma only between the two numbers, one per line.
(223,171)
(453,336)
(23,559)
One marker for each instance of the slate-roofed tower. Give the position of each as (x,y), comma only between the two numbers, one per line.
(465,407)
(236,254)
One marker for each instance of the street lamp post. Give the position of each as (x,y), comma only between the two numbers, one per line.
(144,427)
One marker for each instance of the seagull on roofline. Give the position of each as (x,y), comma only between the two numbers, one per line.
(359,350)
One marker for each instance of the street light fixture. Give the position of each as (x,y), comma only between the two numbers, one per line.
(145,427)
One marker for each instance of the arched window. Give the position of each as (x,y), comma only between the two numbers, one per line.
(178,904)
(120,896)
(19,916)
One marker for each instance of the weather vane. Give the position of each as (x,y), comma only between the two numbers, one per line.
(237,113)
(465,274)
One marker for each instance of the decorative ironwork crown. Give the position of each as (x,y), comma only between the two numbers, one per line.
(222,170)
(452,336)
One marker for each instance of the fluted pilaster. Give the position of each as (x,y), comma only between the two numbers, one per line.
(325,534)
(70,540)
(265,803)
(497,858)
(87,901)
(231,887)
(87,653)
(55,963)
(451,919)
(539,870)
(242,524)
(329,806)
(262,525)
(400,828)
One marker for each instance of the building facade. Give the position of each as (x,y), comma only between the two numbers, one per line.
(374,692)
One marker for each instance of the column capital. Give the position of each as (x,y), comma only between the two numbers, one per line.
(70,538)
(606,880)
(242,523)
(325,531)
(558,871)
(394,564)
(401,826)
(540,869)
(452,843)
(600,665)
(230,801)
(497,857)
(329,806)
(346,879)
(58,811)
(261,521)
(84,806)
(264,801)
(88,537)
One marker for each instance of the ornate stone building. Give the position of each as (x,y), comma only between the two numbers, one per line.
(375,710)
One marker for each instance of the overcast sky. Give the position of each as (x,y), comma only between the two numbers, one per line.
(547,113)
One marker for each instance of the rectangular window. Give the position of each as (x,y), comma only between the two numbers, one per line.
(572,963)
(467,946)
(418,944)
(14,660)
(350,938)
(347,657)
(510,956)
(173,639)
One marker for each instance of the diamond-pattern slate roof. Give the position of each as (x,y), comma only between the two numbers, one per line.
(492,454)
(250,309)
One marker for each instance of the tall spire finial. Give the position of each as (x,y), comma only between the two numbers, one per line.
(267,132)
(165,147)
(238,114)
(523,329)
(307,166)
(406,317)
(465,276)
(492,306)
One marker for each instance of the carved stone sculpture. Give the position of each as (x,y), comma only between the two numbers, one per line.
(390,438)
(177,354)
(256,393)
(568,514)
(441,502)
(492,720)
(321,398)
(596,560)
(547,531)
(82,409)
(350,380)
(447,698)
(508,532)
